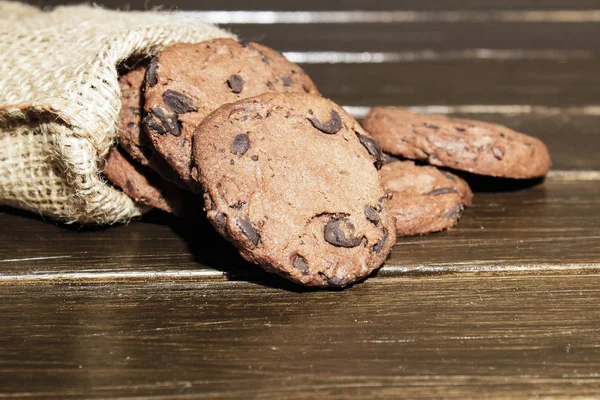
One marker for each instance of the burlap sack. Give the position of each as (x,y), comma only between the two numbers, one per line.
(60,100)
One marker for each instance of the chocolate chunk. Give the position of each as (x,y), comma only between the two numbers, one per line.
(168,121)
(455,212)
(241,144)
(153,126)
(248,231)
(498,153)
(335,281)
(373,148)
(151,73)
(178,102)
(254,158)
(338,281)
(340,232)
(287,81)
(431,126)
(372,214)
(300,264)
(329,127)
(439,191)
(448,175)
(379,246)
(236,83)
(220,220)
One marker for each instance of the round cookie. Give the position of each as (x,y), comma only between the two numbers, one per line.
(424,198)
(145,187)
(473,146)
(291,180)
(131,136)
(186,82)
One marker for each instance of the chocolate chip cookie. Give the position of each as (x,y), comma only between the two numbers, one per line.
(186,82)
(131,137)
(291,180)
(424,198)
(473,146)
(145,187)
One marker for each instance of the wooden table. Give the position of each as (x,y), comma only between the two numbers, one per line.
(505,305)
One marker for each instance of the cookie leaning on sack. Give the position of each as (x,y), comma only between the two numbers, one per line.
(291,181)
(186,82)
(131,137)
(467,145)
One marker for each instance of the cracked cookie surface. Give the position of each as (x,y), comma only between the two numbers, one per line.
(292,181)
(186,82)
(467,145)
(424,198)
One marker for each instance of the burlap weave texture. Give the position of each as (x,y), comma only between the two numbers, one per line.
(60,101)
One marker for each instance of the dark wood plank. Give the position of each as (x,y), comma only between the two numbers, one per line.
(535,82)
(344,4)
(554,226)
(393,37)
(508,337)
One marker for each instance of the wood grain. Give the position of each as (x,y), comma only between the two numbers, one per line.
(554,226)
(457,337)
(502,306)
(394,37)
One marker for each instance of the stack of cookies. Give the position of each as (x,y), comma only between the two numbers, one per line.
(236,133)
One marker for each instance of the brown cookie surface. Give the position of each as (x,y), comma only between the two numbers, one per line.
(186,82)
(291,180)
(132,138)
(473,146)
(424,198)
(145,187)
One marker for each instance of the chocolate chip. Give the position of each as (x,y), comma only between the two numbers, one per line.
(153,126)
(305,87)
(379,246)
(455,212)
(151,74)
(329,127)
(498,153)
(338,281)
(431,126)
(248,231)
(178,102)
(132,125)
(254,158)
(459,129)
(168,121)
(241,144)
(130,187)
(300,264)
(287,81)
(373,148)
(235,83)
(437,192)
(220,220)
(372,214)
(448,175)
(340,232)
